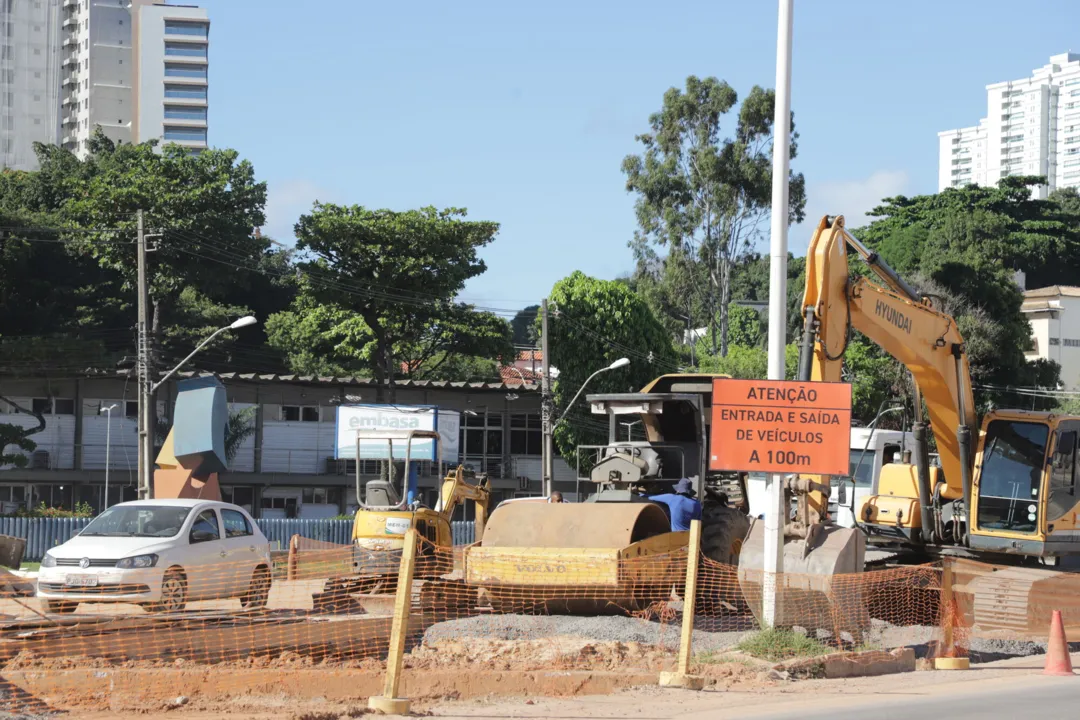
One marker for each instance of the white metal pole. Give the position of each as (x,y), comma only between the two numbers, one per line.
(775,511)
(108,431)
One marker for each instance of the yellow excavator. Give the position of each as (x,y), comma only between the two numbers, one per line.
(1004,493)
(385,515)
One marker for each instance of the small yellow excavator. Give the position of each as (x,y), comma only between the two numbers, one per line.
(385,515)
(1005,493)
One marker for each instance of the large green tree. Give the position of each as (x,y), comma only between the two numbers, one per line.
(963,246)
(595,323)
(203,209)
(705,195)
(378,294)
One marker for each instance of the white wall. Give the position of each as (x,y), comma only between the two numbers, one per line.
(58,437)
(297,447)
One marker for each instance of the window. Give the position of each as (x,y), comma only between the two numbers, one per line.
(239,495)
(205,528)
(194,29)
(280,503)
(236,525)
(1011,475)
(185,134)
(53,406)
(194,50)
(526,437)
(179,112)
(131,409)
(322,496)
(300,413)
(185,71)
(187,92)
(1061,466)
(1074,81)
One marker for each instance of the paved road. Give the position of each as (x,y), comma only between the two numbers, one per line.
(1046,698)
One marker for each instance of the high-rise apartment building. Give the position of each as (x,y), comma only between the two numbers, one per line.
(30,32)
(1032,127)
(136,69)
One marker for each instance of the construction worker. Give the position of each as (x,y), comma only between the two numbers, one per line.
(681,504)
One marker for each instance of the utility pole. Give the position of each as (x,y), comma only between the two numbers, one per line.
(146,412)
(547,471)
(775,510)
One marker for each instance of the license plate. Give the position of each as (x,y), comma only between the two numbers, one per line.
(81,581)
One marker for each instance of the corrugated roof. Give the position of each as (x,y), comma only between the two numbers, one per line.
(350,381)
(1053,291)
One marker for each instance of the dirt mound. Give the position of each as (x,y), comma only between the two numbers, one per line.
(556,653)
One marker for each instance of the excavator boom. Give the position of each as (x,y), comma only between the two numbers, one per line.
(904,323)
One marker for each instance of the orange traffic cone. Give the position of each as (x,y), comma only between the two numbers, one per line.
(1058,661)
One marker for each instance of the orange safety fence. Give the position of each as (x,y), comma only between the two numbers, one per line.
(500,609)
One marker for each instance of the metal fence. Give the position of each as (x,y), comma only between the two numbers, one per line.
(44,533)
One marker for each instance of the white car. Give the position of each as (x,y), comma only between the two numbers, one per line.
(161,554)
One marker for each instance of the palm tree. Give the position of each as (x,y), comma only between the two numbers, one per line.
(240,426)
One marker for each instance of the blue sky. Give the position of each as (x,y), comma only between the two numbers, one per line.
(522,113)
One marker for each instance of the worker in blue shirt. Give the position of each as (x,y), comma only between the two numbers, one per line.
(682,507)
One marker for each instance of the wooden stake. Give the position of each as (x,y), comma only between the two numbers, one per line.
(390,703)
(682,677)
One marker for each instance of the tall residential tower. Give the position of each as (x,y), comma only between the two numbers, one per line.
(1032,127)
(136,69)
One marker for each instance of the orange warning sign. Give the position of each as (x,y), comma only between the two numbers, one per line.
(780,426)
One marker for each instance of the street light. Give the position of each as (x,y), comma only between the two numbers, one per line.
(108,432)
(620,363)
(146,441)
(236,324)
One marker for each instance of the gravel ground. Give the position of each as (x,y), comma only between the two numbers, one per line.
(707,636)
(710,634)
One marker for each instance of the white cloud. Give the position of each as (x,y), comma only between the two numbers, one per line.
(850,198)
(286,202)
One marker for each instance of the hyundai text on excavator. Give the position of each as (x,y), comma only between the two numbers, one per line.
(385,516)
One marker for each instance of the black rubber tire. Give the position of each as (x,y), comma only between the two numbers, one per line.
(258,592)
(59,607)
(723,530)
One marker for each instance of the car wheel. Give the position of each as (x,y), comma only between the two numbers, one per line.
(60,608)
(173,592)
(258,592)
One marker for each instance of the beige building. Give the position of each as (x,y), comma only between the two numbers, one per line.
(1054,314)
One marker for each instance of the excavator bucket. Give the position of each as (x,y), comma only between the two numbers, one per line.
(813,592)
(576,557)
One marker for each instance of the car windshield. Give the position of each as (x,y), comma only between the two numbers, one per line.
(138,521)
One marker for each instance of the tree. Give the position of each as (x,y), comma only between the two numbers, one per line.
(963,245)
(523,327)
(239,427)
(378,294)
(12,435)
(596,323)
(705,196)
(206,208)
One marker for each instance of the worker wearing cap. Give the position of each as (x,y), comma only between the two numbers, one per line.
(682,506)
